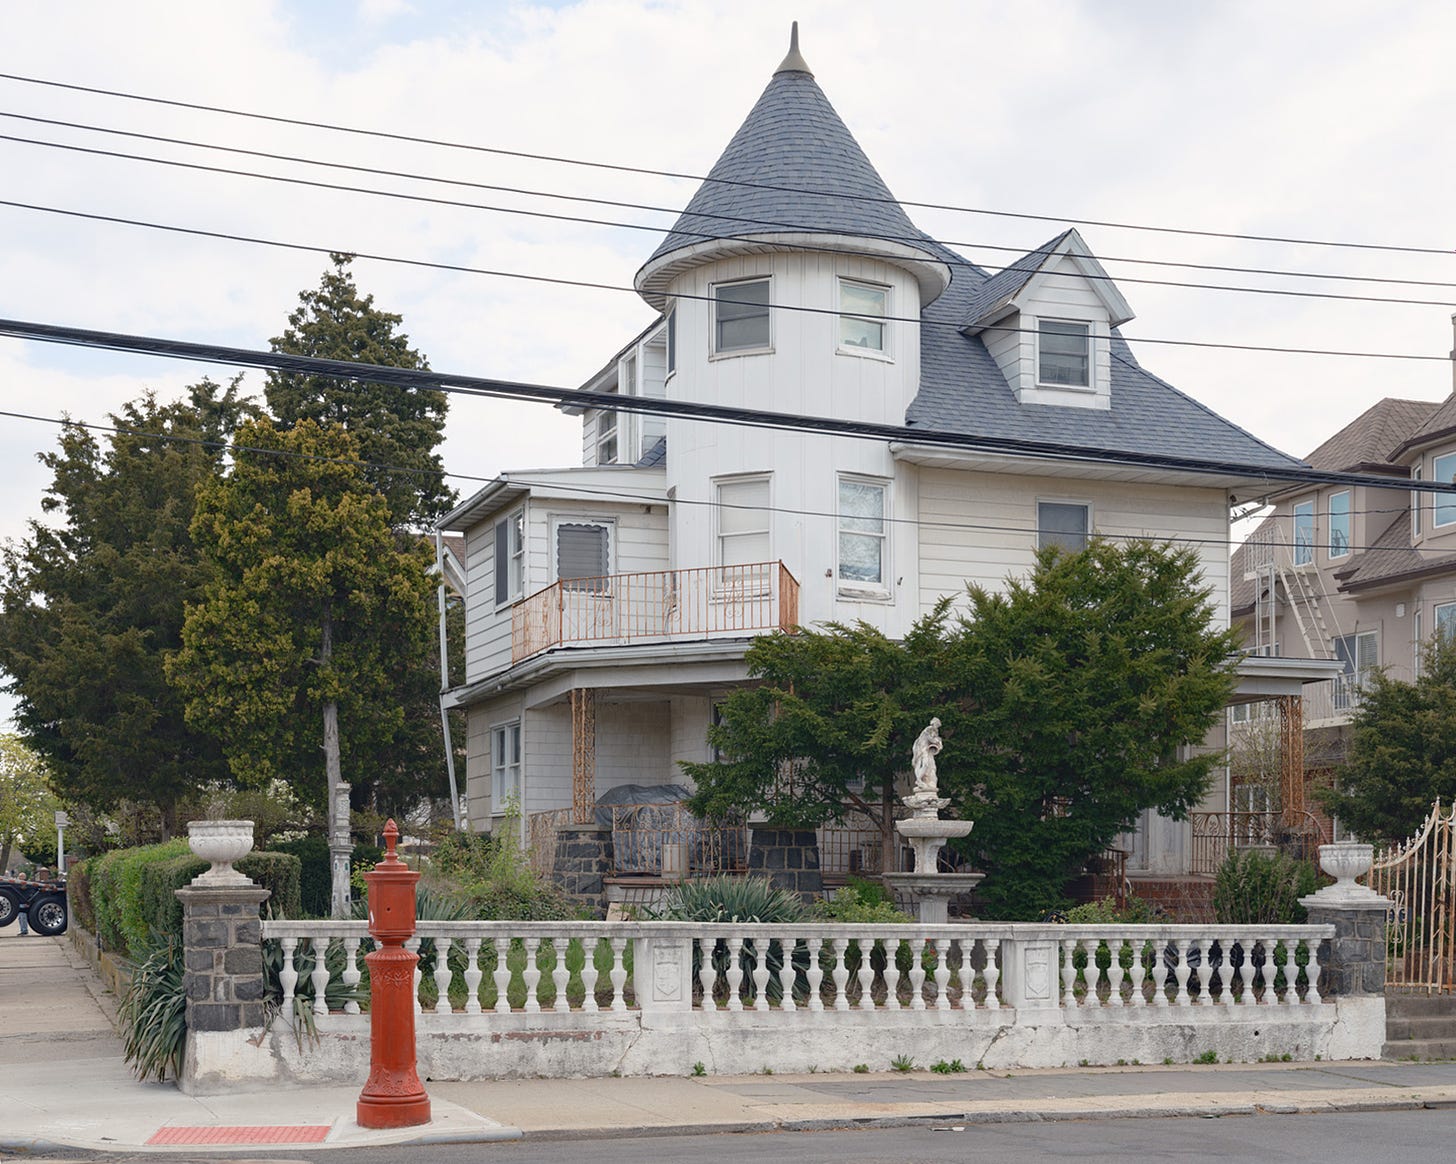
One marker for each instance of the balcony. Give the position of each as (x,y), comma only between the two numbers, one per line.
(659,606)
(1333,701)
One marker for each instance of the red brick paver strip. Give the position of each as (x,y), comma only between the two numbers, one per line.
(269,1134)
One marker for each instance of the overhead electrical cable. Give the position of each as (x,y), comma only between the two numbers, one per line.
(918,241)
(648,171)
(626,205)
(617,287)
(621,495)
(683,409)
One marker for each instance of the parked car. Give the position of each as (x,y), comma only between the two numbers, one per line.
(43,901)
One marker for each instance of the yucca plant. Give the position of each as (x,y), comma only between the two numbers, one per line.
(154,1012)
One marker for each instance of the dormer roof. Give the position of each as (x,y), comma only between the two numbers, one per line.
(792,170)
(1369,442)
(1439,425)
(1005,291)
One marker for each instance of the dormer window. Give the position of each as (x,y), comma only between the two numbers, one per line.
(1064,354)
(862,324)
(740,317)
(606,438)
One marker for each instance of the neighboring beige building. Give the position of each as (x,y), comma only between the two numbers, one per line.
(1362,575)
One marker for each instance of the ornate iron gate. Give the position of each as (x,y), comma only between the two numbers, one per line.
(1419,877)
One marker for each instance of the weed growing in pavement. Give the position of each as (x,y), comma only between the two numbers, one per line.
(954,1067)
(903,1063)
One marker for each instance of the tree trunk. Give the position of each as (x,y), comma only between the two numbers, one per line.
(338,813)
(888,863)
(5,855)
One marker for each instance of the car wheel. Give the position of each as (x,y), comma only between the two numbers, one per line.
(48,915)
(9,909)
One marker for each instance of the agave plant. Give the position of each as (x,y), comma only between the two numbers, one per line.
(154,1012)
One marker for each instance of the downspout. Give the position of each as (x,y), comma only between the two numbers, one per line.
(456,809)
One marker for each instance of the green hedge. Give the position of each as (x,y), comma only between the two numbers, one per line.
(127,893)
(317,876)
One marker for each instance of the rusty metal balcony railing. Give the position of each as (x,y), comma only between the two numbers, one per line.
(1216,834)
(656,605)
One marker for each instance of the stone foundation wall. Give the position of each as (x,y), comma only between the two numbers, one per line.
(583,859)
(789,858)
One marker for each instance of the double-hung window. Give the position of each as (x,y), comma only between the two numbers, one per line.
(1443,469)
(1064,353)
(583,554)
(743,521)
(863,536)
(1360,655)
(863,308)
(1340,524)
(505,765)
(1304,533)
(1063,524)
(1446,620)
(606,438)
(510,557)
(671,341)
(741,317)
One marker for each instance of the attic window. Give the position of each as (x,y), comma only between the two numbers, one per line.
(1064,355)
(741,321)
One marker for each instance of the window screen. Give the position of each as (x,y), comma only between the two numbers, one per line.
(1061,524)
(742,316)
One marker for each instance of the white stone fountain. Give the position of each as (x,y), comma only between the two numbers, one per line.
(930,889)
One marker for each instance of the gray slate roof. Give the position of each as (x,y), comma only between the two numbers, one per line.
(793,138)
(1005,283)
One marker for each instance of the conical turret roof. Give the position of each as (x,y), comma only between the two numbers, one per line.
(793,168)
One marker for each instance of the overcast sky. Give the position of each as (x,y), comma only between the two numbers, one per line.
(1328,120)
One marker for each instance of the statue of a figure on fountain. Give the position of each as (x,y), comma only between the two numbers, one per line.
(924,798)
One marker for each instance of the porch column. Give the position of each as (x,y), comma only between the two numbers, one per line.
(1291,758)
(583,754)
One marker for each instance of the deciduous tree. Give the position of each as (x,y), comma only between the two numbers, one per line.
(27,803)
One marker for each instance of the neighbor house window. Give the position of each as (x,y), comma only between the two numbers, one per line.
(505,764)
(863,308)
(862,532)
(740,321)
(1063,524)
(1443,469)
(743,521)
(1340,524)
(1360,655)
(1416,504)
(606,438)
(510,557)
(1064,353)
(583,554)
(1304,533)
(1446,620)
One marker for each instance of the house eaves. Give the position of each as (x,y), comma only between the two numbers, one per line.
(612,484)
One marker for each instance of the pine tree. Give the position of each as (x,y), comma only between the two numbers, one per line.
(398,429)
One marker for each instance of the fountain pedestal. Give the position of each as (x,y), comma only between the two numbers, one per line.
(930,889)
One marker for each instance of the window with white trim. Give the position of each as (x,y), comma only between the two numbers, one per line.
(1340,524)
(863,534)
(741,317)
(510,557)
(671,341)
(1064,353)
(1304,533)
(1360,654)
(863,308)
(1446,620)
(583,550)
(1417,501)
(743,520)
(606,438)
(505,764)
(1063,524)
(1443,469)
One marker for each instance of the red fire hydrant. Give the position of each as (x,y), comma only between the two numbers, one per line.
(393,1097)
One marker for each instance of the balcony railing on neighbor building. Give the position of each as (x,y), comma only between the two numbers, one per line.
(660,604)
(1216,834)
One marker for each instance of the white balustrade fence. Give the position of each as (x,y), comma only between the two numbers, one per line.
(559,999)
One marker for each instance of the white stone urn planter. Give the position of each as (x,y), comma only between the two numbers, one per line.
(222,842)
(1344,861)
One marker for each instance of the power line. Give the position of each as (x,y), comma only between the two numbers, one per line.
(621,204)
(592,285)
(650,172)
(681,409)
(619,495)
(918,241)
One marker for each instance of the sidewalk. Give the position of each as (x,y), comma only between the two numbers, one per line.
(63,1084)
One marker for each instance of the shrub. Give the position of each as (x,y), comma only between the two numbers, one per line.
(1135,911)
(731,899)
(316,875)
(78,895)
(860,902)
(1254,888)
(153,1012)
(493,876)
(116,897)
(275,872)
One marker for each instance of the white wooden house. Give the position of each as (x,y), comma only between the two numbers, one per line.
(610,605)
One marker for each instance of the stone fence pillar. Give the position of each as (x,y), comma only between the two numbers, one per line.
(222,943)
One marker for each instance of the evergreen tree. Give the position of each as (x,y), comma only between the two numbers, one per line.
(397,428)
(1402,753)
(300,651)
(92,603)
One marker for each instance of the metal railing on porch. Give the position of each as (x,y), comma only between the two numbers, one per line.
(1216,834)
(656,605)
(1419,877)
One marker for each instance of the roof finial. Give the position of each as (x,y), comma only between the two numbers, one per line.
(794,63)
